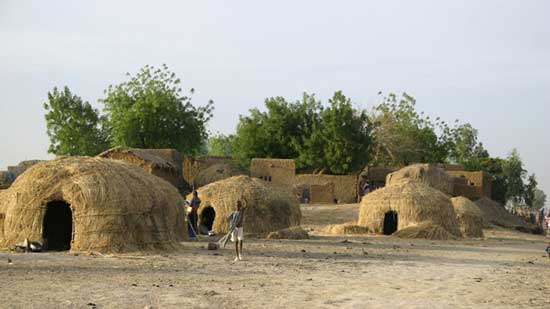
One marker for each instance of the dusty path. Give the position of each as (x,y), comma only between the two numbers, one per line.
(506,270)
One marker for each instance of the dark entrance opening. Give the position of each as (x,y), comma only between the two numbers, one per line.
(390,222)
(206,221)
(58,226)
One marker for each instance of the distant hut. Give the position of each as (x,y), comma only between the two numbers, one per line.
(266,208)
(163,163)
(217,172)
(324,189)
(91,204)
(470,217)
(6,179)
(276,171)
(406,204)
(429,174)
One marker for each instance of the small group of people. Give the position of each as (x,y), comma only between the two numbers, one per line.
(236,223)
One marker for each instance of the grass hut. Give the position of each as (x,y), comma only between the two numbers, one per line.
(266,208)
(404,204)
(431,175)
(163,163)
(470,217)
(217,172)
(92,204)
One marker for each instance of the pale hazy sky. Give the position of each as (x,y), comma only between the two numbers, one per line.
(483,62)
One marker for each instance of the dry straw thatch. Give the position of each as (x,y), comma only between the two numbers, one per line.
(426,230)
(470,217)
(295,232)
(494,213)
(350,228)
(217,172)
(114,206)
(413,202)
(163,163)
(267,208)
(429,174)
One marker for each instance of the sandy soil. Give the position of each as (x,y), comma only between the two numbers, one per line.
(507,269)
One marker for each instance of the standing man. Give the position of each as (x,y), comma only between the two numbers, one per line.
(236,220)
(193,216)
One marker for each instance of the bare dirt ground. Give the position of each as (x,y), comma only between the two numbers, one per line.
(507,269)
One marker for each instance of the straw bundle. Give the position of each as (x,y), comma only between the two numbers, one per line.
(431,175)
(295,232)
(494,213)
(346,229)
(267,208)
(115,207)
(413,201)
(470,217)
(217,172)
(426,230)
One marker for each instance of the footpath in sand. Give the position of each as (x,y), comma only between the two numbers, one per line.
(508,269)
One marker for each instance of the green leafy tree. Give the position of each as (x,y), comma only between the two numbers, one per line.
(530,190)
(514,174)
(74,127)
(282,131)
(465,149)
(540,199)
(221,145)
(149,111)
(343,135)
(403,136)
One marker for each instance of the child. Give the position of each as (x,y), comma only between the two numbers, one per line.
(236,219)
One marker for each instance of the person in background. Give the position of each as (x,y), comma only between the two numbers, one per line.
(193,216)
(236,219)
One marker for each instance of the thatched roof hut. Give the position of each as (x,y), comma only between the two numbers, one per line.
(163,163)
(470,217)
(266,208)
(92,204)
(429,174)
(217,172)
(406,203)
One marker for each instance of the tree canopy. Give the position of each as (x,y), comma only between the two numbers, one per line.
(336,137)
(149,111)
(74,127)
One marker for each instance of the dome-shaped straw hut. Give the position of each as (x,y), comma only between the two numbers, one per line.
(429,174)
(217,172)
(404,204)
(266,208)
(92,204)
(470,217)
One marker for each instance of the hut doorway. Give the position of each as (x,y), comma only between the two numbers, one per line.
(390,222)
(206,221)
(58,226)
